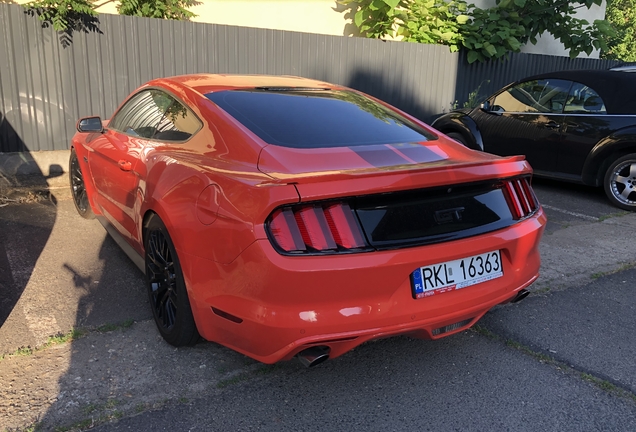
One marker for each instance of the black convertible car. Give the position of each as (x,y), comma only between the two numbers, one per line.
(578,126)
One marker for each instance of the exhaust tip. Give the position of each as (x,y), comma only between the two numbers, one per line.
(313,356)
(520,296)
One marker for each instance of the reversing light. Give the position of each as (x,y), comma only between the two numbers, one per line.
(316,228)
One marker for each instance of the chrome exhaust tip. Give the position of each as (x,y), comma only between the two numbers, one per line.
(520,296)
(313,356)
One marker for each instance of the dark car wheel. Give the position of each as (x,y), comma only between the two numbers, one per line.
(78,187)
(620,182)
(166,287)
(458,137)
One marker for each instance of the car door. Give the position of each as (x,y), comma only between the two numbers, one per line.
(116,163)
(586,122)
(525,119)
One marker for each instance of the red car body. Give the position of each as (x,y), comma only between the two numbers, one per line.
(218,193)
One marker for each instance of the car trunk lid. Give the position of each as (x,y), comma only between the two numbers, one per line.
(403,196)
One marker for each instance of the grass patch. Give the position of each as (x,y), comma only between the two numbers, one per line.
(115,326)
(61,338)
(626,266)
(267,369)
(262,370)
(111,403)
(95,419)
(107,328)
(80,425)
(612,215)
(89,409)
(543,290)
(484,332)
(58,339)
(544,358)
(233,380)
(23,351)
(71,335)
(30,428)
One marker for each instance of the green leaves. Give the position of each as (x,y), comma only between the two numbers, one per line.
(375,18)
(620,43)
(62,14)
(392,3)
(69,15)
(165,9)
(462,19)
(484,33)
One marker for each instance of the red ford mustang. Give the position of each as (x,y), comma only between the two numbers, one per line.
(283,216)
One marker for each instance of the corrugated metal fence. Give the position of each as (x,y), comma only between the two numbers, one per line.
(45,87)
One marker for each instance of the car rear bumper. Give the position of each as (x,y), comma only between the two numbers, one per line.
(270,307)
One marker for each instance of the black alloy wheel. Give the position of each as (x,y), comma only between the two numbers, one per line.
(78,188)
(166,287)
(620,182)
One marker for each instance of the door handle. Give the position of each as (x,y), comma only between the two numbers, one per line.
(552,125)
(125,165)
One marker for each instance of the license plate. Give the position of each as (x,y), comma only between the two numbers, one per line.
(453,275)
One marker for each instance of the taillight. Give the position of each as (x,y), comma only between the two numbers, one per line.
(316,228)
(520,196)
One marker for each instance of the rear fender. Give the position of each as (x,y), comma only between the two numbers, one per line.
(210,214)
(460,122)
(607,150)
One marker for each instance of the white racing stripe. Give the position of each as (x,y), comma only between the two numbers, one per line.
(578,215)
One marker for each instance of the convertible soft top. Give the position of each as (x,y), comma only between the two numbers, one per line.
(616,88)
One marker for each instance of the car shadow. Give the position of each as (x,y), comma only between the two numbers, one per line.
(22,238)
(118,362)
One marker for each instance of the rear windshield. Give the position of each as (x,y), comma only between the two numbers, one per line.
(317,118)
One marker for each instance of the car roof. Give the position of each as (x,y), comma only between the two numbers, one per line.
(208,83)
(616,88)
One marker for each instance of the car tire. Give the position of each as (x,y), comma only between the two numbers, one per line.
(78,187)
(620,182)
(166,287)
(458,137)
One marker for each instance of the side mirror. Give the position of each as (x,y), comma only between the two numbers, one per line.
(485,106)
(90,124)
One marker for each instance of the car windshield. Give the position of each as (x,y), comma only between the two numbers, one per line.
(312,118)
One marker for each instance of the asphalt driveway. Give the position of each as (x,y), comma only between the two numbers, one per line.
(563,359)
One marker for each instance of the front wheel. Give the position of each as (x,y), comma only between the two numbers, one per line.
(166,287)
(620,182)
(78,187)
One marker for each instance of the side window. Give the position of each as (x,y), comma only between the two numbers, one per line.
(584,100)
(139,116)
(178,123)
(536,96)
(155,114)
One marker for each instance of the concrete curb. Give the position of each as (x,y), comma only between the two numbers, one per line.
(42,163)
